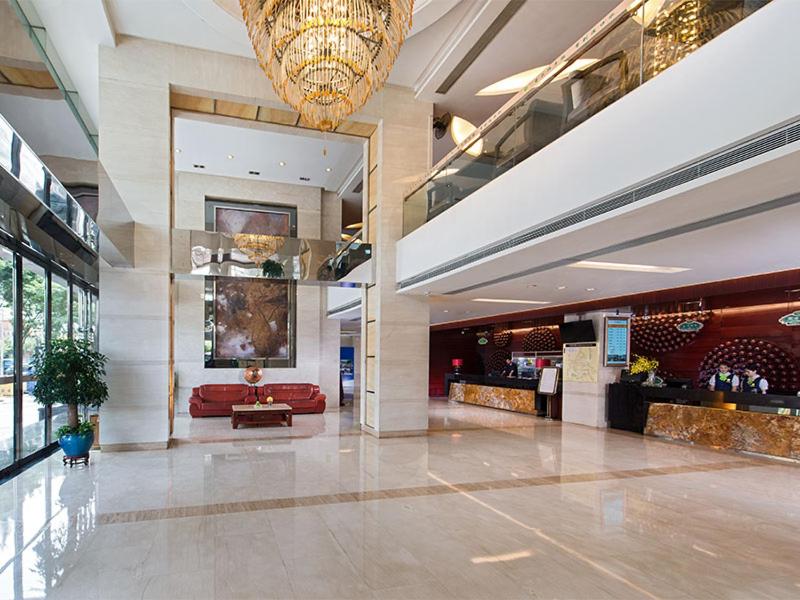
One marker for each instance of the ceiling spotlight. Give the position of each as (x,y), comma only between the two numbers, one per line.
(328,169)
(282,163)
(230,156)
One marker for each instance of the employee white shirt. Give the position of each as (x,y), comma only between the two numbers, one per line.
(734,381)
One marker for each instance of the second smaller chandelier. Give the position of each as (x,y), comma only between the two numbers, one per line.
(326,57)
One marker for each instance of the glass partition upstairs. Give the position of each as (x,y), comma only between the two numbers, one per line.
(629,47)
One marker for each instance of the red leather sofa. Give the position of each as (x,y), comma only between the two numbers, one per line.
(216,400)
(302,397)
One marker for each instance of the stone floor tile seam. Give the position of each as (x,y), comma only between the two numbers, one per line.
(406,492)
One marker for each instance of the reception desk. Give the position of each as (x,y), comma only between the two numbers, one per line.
(730,420)
(517,395)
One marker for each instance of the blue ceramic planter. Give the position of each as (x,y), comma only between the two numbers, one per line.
(76,445)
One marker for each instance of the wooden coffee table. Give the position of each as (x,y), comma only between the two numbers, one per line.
(265,414)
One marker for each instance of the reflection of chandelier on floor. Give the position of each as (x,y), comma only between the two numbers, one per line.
(325,57)
(258,248)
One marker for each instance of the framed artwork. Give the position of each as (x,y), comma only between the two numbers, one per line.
(250,321)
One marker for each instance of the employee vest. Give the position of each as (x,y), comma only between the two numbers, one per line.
(723,385)
(752,386)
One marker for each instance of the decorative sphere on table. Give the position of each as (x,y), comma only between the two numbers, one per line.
(253,375)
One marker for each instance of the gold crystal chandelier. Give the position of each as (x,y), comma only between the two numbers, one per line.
(257,247)
(326,57)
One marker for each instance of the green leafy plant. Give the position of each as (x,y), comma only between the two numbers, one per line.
(71,372)
(272,269)
(84,428)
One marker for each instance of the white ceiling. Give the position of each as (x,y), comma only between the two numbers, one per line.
(47,125)
(725,251)
(260,148)
(443,32)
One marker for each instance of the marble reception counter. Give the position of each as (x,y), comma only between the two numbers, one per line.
(761,423)
(505,398)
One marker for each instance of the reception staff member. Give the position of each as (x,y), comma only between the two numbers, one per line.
(753,382)
(510,368)
(723,380)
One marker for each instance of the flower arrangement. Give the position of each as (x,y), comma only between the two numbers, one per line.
(642,364)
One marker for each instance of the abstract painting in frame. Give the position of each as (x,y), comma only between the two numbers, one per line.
(250,321)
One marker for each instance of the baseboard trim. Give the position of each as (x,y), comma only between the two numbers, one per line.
(393,434)
(134,447)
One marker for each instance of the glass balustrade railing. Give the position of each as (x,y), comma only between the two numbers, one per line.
(19,160)
(631,46)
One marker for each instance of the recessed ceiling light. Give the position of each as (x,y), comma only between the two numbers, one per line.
(590,289)
(613,266)
(461,129)
(230,156)
(516,82)
(509,301)
(282,163)
(562,287)
(328,169)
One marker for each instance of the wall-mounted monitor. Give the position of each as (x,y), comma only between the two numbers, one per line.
(617,348)
(577,331)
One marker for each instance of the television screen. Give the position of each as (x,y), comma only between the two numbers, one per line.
(577,331)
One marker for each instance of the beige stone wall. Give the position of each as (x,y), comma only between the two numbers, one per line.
(72,171)
(135,81)
(316,344)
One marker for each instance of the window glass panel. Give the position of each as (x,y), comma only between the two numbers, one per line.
(6,357)
(59,324)
(34,308)
(78,313)
(59,329)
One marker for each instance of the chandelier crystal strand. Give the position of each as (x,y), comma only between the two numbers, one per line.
(326,57)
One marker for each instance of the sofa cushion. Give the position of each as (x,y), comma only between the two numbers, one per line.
(223,392)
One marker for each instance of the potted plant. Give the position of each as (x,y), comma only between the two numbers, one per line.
(642,364)
(71,372)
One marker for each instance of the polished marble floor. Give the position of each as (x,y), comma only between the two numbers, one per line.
(489,505)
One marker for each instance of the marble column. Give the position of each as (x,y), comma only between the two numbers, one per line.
(395,327)
(134,308)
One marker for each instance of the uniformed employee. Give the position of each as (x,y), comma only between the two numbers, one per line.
(724,380)
(510,368)
(753,382)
